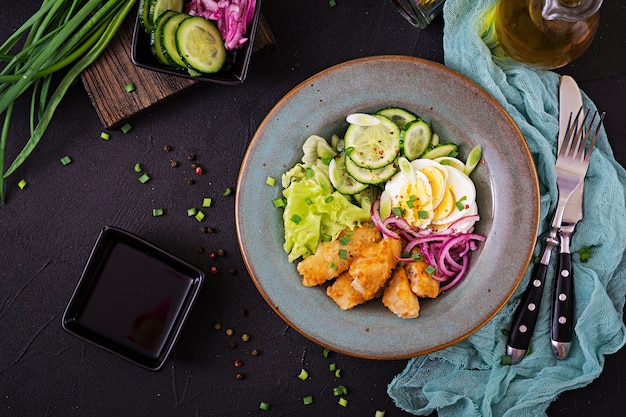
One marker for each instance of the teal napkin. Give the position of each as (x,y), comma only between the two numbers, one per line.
(468,379)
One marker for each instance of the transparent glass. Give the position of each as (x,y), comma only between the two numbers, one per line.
(419,12)
(546,33)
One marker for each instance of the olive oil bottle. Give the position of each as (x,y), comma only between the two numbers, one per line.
(546,33)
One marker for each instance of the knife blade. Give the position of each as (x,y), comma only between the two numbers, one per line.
(562,312)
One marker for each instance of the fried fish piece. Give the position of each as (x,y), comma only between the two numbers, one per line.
(343,293)
(330,260)
(398,296)
(422,283)
(373,267)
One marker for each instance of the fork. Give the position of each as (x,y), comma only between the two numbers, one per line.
(571,167)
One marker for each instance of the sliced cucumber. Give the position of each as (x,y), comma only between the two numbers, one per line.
(158,7)
(168,40)
(371,176)
(200,45)
(373,146)
(144,15)
(341,179)
(398,115)
(415,137)
(156,36)
(443,149)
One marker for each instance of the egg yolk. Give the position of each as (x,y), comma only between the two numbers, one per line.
(416,203)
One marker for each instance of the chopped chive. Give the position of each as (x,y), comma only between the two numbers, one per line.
(332,367)
(332,265)
(206,202)
(397,211)
(304,374)
(271,181)
(329,199)
(192,211)
(130,87)
(227,192)
(138,167)
(529,350)
(410,204)
(66,160)
(326,161)
(308,201)
(422,214)
(343,254)
(144,178)
(156,212)
(199,216)
(459,204)
(325,352)
(505,332)
(337,373)
(279,202)
(307,400)
(332,3)
(430,269)
(126,128)
(343,402)
(296,219)
(105,136)
(381,413)
(344,240)
(340,390)
(585,254)
(416,256)
(264,406)
(350,232)
(309,173)
(326,237)
(22,184)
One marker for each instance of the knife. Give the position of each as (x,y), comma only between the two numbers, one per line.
(562,313)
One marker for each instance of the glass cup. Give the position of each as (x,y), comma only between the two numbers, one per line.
(419,12)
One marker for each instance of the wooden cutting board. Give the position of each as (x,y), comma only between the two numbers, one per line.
(105,80)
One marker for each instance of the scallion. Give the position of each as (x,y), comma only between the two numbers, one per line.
(329,199)
(325,352)
(296,219)
(264,406)
(130,87)
(199,216)
(66,160)
(137,167)
(304,374)
(156,212)
(192,211)
(344,240)
(340,390)
(430,269)
(343,254)
(380,413)
(126,127)
(206,202)
(105,136)
(144,178)
(22,184)
(279,202)
(271,181)
(308,400)
(227,192)
(343,402)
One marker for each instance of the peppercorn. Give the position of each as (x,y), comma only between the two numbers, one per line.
(190,181)
(245,337)
(232,271)
(214,270)
(221,252)
(199,170)
(238,363)
(194,165)
(173,164)
(217,326)
(232,344)
(243,312)
(255,352)
(199,249)
(167,148)
(239,376)
(212,255)
(229,332)
(191,157)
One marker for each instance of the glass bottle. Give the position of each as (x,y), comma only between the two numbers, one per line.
(546,33)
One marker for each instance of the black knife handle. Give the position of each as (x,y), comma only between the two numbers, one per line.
(527,311)
(563,300)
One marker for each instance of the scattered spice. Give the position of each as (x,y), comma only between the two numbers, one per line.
(245,337)
(199,170)
(167,148)
(212,255)
(199,249)
(174,164)
(217,326)
(255,352)
(191,157)
(214,270)
(239,376)
(190,181)
(243,312)
(229,332)
(238,363)
(221,252)
(207,229)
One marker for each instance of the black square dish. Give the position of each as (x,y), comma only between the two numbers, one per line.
(132,298)
(234,71)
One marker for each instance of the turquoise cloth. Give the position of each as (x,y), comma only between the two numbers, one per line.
(467,379)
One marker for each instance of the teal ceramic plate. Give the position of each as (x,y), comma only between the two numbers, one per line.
(461,112)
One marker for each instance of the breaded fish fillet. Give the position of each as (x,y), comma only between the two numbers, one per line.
(422,283)
(373,268)
(343,293)
(399,298)
(329,260)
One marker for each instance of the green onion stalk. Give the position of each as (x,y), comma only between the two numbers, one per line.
(64,35)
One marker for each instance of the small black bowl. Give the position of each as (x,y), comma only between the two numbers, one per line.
(234,71)
(132,298)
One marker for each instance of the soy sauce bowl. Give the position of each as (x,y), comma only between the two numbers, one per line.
(132,298)
(234,71)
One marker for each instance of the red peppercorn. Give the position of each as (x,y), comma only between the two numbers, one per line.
(214,270)
(212,255)
(199,170)
(238,363)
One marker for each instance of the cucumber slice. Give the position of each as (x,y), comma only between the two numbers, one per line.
(168,40)
(416,137)
(156,38)
(443,149)
(144,15)
(472,159)
(373,146)
(158,7)
(200,44)
(371,176)
(398,115)
(341,179)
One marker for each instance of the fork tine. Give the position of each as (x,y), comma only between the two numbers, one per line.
(595,135)
(572,134)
